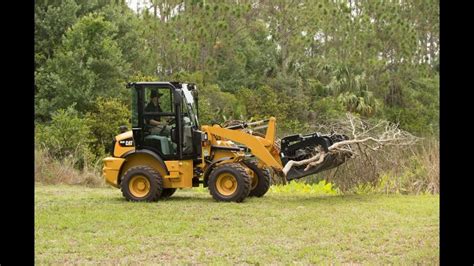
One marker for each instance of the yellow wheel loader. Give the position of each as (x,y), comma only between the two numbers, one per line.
(168,149)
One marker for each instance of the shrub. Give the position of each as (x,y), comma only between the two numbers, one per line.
(216,106)
(104,122)
(419,173)
(327,108)
(320,188)
(406,171)
(66,136)
(49,170)
(290,127)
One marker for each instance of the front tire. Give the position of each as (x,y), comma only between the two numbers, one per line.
(260,180)
(229,182)
(142,183)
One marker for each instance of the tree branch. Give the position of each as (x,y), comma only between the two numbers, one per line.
(372,138)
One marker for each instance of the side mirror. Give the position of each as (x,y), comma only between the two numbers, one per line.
(123,129)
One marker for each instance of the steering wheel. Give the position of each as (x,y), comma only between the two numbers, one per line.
(171,124)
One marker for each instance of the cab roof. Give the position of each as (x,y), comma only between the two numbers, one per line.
(175,84)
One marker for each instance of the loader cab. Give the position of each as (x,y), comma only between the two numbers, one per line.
(177,136)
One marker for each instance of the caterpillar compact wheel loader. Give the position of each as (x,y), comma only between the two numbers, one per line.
(168,149)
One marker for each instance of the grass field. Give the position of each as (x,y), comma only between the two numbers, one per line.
(80,225)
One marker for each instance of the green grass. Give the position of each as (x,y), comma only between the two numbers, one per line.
(80,225)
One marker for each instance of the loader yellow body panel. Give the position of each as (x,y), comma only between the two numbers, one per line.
(219,154)
(111,170)
(262,148)
(180,172)
(119,150)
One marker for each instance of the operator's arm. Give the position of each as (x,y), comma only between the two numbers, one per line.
(154,122)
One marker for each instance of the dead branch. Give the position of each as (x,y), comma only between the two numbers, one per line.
(372,136)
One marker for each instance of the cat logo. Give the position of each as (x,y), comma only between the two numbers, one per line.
(126,143)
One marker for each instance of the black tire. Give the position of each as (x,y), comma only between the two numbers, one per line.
(167,192)
(263,180)
(154,178)
(243,182)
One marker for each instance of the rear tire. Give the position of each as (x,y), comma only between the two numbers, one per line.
(167,192)
(263,180)
(229,182)
(142,183)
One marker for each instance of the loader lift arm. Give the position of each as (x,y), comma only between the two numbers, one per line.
(295,147)
(263,148)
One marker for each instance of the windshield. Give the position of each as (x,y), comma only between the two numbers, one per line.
(191,105)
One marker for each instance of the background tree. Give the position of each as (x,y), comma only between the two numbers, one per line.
(304,62)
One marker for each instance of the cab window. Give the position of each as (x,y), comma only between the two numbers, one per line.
(159,116)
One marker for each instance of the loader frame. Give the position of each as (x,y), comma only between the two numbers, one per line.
(225,149)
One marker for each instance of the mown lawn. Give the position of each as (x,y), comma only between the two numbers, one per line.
(81,225)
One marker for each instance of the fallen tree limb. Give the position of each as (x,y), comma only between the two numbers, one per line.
(373,138)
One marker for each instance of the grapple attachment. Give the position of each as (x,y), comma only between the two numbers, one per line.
(300,147)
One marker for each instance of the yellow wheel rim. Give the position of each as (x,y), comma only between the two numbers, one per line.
(226,184)
(254,180)
(139,186)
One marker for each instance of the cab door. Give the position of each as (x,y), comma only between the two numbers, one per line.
(163,138)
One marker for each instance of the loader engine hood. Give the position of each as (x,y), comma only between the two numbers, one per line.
(123,143)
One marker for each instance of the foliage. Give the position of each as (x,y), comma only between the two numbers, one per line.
(50,24)
(417,174)
(68,135)
(262,103)
(320,188)
(302,63)
(88,64)
(412,170)
(218,105)
(50,170)
(421,112)
(104,122)
(128,37)
(293,60)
